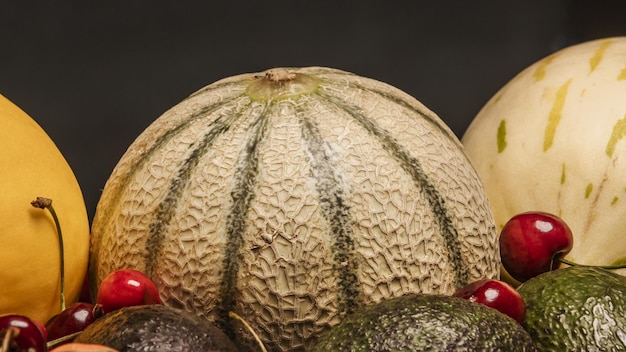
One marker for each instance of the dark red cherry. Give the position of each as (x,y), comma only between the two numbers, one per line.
(21,334)
(76,317)
(495,294)
(532,243)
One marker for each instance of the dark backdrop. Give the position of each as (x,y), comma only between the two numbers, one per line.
(95,74)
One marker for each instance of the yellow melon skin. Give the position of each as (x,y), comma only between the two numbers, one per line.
(552,140)
(293,197)
(32,166)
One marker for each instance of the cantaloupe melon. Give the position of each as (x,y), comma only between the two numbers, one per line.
(293,197)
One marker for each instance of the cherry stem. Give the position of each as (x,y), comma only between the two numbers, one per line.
(607,267)
(61,340)
(46,203)
(234,315)
(9,335)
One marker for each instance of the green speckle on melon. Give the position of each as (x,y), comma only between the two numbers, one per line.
(588,190)
(598,55)
(555,116)
(540,72)
(619,132)
(501,137)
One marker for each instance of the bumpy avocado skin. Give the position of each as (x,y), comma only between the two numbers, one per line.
(576,309)
(155,328)
(422,322)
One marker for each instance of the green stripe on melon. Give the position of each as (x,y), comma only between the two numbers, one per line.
(294,197)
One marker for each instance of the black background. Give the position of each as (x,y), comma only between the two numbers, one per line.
(95,74)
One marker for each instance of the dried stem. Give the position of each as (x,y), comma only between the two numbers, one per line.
(46,203)
(10,333)
(234,315)
(607,267)
(61,340)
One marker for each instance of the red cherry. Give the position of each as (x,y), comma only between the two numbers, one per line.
(495,294)
(125,288)
(74,318)
(42,327)
(532,243)
(22,334)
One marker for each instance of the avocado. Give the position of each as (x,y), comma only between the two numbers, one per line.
(426,322)
(578,308)
(155,327)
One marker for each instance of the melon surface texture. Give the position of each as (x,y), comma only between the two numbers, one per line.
(293,197)
(552,139)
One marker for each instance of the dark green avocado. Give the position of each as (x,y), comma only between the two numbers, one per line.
(576,308)
(422,322)
(155,328)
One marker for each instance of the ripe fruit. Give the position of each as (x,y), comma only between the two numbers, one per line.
(76,317)
(83,347)
(32,166)
(21,334)
(532,243)
(425,322)
(43,329)
(576,308)
(125,288)
(495,294)
(293,197)
(156,327)
(552,139)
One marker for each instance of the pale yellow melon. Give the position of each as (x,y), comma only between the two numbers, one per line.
(552,139)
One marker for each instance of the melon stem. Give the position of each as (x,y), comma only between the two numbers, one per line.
(281,83)
(607,267)
(46,203)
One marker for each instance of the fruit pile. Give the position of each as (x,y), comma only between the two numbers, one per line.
(571,308)
(122,288)
(563,305)
(532,244)
(396,289)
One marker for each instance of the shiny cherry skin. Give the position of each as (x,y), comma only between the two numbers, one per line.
(27,334)
(532,243)
(42,327)
(495,294)
(76,317)
(125,288)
